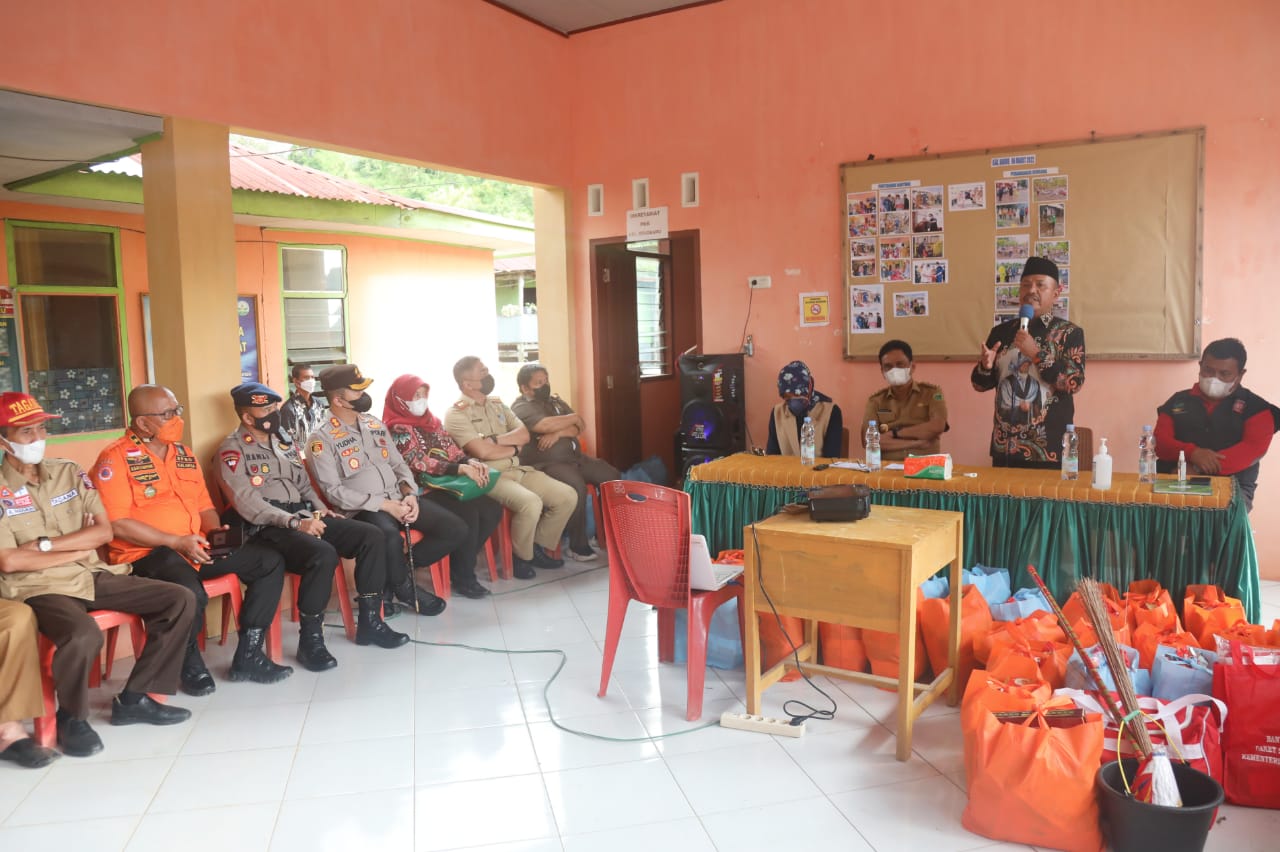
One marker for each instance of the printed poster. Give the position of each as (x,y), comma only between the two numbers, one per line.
(815,310)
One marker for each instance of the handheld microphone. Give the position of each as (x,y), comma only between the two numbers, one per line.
(1025,313)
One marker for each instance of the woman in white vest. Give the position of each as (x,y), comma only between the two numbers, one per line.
(800,400)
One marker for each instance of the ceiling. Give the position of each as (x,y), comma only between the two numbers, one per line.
(571,16)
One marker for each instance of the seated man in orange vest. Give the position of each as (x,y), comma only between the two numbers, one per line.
(160,511)
(53,524)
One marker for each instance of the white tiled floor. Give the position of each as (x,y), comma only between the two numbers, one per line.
(429,748)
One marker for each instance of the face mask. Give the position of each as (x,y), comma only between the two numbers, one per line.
(798,407)
(898,376)
(308,385)
(269,423)
(486,385)
(417,407)
(171,431)
(32,453)
(362,403)
(543,393)
(1215,388)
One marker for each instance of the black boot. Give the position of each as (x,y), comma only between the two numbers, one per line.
(312,653)
(250,663)
(371,629)
(428,604)
(390,609)
(195,678)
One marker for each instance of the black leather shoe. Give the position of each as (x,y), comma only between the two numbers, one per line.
(471,589)
(77,738)
(428,604)
(522,569)
(27,754)
(147,711)
(195,679)
(542,560)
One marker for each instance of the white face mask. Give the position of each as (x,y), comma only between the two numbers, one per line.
(1215,388)
(308,385)
(898,376)
(32,453)
(417,407)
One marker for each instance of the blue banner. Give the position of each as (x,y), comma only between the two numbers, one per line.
(247,312)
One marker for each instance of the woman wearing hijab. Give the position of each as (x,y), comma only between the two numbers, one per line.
(801,400)
(429,451)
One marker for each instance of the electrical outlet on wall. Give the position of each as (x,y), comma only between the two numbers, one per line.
(759,282)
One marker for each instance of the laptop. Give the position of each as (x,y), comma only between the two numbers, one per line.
(705,575)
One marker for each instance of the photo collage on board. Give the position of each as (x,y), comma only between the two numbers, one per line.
(1036,204)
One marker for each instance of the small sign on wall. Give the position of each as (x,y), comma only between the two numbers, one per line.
(647,223)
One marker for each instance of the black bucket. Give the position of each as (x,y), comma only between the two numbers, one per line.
(1133,826)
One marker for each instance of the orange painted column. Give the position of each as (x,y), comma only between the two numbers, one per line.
(191,267)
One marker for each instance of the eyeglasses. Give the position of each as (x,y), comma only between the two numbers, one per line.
(166,415)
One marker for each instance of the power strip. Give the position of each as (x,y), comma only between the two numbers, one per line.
(761,724)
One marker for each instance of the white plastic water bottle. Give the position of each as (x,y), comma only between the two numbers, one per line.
(806,442)
(1147,456)
(873,445)
(1070,453)
(1102,467)
(1182,467)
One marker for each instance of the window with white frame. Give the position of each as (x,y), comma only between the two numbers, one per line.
(315,304)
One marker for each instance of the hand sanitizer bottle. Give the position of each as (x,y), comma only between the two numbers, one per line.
(1102,467)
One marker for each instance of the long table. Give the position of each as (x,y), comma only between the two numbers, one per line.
(1016,517)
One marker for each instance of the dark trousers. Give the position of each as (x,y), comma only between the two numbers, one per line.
(442,534)
(315,559)
(166,610)
(259,567)
(481,517)
(578,473)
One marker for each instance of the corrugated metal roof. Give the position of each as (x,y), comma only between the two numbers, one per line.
(523,263)
(256,171)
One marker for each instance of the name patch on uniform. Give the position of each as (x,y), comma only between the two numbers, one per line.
(62,498)
(231,458)
(185,463)
(148,475)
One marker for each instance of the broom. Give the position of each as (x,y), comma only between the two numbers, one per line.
(1155,781)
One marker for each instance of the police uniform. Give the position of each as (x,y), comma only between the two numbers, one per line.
(356,468)
(924,402)
(564,462)
(541,506)
(168,493)
(61,596)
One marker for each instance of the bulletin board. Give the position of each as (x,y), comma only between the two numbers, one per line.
(933,244)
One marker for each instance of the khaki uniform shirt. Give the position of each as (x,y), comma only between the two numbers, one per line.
(254,475)
(54,506)
(923,403)
(358,466)
(468,419)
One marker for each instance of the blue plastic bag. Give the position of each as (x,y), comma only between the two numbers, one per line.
(724,642)
(1078,677)
(936,587)
(992,582)
(1023,603)
(1176,672)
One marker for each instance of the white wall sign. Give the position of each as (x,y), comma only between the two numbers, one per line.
(647,223)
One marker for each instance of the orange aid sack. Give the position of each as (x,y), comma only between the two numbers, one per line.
(1207,610)
(1150,603)
(842,646)
(934,615)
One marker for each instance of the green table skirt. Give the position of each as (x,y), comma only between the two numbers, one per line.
(1064,540)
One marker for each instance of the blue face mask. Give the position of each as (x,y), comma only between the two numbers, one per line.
(798,407)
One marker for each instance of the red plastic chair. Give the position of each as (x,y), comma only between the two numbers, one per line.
(344,597)
(439,570)
(109,622)
(229,585)
(648,545)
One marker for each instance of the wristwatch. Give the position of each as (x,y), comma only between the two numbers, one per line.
(294,522)
(44,544)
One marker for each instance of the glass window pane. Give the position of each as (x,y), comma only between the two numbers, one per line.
(314,331)
(72,348)
(651,320)
(312,270)
(62,257)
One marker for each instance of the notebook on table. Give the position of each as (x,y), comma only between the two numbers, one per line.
(705,575)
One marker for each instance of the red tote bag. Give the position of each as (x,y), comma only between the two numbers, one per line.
(1251,742)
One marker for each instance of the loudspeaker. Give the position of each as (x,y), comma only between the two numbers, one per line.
(687,458)
(712,403)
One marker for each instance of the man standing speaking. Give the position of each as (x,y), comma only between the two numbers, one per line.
(1055,349)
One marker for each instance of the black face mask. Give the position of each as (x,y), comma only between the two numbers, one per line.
(269,424)
(362,403)
(486,385)
(543,393)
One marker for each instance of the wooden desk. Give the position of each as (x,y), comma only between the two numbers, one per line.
(863,574)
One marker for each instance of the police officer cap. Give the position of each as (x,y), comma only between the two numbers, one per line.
(343,376)
(253,394)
